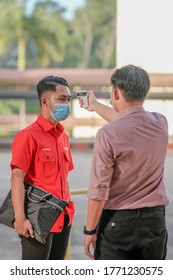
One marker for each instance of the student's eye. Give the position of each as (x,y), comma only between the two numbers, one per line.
(64,99)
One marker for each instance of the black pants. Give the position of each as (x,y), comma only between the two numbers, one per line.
(132,234)
(54,248)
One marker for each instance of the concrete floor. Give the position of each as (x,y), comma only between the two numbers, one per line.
(78,179)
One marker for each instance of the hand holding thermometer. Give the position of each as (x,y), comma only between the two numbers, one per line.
(83,95)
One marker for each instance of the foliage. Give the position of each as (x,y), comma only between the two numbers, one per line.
(9,106)
(37,39)
(44,38)
(95,30)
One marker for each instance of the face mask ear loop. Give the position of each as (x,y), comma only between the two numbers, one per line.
(51,112)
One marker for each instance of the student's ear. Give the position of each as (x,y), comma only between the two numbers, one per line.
(44,102)
(115,93)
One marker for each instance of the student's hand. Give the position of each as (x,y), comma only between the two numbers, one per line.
(90,244)
(24,227)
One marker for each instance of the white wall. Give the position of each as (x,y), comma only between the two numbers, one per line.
(145,34)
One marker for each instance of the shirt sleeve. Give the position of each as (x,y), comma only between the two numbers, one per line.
(23,148)
(102,167)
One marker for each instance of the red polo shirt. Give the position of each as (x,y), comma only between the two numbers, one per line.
(43,153)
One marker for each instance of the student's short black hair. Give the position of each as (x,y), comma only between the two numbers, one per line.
(50,83)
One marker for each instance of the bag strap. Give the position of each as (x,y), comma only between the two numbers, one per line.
(45,198)
(40,198)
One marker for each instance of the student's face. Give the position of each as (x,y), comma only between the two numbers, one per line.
(62,95)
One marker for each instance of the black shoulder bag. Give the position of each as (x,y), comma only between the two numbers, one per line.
(41,208)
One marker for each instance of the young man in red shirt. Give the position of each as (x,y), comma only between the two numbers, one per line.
(41,156)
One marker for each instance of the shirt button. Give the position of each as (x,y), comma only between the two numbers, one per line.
(113,224)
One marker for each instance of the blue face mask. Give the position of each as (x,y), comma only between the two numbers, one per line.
(61,112)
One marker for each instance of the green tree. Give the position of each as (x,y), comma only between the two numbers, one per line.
(39,37)
(44,38)
(93,36)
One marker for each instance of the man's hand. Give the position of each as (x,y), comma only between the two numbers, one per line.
(24,227)
(90,241)
(92,100)
(106,112)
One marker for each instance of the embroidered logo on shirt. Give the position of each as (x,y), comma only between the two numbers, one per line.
(66,148)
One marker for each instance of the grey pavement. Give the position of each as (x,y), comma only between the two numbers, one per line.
(78,179)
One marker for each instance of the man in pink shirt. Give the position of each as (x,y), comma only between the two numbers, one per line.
(126,197)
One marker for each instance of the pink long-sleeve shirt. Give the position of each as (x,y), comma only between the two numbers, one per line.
(128,160)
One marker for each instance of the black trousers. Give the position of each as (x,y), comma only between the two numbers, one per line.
(132,234)
(54,248)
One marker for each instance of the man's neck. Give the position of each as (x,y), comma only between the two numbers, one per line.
(126,105)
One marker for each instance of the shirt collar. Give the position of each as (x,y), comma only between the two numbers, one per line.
(47,126)
(129,111)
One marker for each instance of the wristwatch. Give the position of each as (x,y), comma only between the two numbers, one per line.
(89,232)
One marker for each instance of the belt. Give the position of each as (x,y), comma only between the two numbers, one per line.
(138,211)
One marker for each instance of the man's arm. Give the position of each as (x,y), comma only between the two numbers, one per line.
(95,208)
(22,225)
(104,111)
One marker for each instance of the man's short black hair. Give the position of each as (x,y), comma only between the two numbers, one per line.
(133,81)
(49,83)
